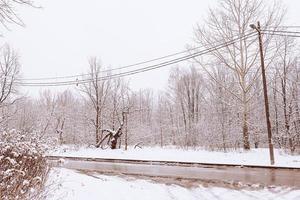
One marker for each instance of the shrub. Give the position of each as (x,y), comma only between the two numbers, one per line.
(23,167)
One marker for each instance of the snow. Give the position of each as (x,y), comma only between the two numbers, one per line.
(72,185)
(11,160)
(26,182)
(259,157)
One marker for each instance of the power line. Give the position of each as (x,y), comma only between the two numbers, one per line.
(140,70)
(125,73)
(285,35)
(144,69)
(144,62)
(119,68)
(120,74)
(281,31)
(284,26)
(114,69)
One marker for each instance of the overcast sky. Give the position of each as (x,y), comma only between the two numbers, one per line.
(59,38)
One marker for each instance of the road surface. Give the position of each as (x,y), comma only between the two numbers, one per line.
(227,173)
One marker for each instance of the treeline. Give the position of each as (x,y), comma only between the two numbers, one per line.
(194,111)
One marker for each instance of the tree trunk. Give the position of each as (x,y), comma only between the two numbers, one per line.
(223,130)
(245,124)
(97,126)
(276,115)
(161,137)
(126,132)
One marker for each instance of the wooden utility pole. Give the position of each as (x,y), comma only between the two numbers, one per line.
(271,150)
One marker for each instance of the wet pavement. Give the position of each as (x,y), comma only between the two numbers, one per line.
(264,176)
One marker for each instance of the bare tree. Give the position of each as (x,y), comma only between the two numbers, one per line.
(25,118)
(96,91)
(8,11)
(9,73)
(47,105)
(187,88)
(117,106)
(230,21)
(221,105)
(65,102)
(286,107)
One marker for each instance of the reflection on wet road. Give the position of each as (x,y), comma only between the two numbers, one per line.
(283,177)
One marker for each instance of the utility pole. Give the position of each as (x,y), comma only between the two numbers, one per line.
(271,150)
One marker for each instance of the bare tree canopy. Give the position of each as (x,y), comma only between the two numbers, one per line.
(9,73)
(96,92)
(231,21)
(8,11)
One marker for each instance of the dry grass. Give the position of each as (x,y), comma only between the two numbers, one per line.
(23,168)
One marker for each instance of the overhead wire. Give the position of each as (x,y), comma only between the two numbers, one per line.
(113,69)
(295,34)
(284,35)
(144,69)
(151,67)
(281,31)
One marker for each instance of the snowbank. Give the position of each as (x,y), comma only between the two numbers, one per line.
(252,157)
(77,186)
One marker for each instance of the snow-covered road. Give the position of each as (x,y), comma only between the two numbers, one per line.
(65,184)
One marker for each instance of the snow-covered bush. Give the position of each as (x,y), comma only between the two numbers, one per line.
(23,167)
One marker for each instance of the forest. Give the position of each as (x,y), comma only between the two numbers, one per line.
(213,101)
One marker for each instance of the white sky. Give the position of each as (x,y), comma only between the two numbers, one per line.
(59,39)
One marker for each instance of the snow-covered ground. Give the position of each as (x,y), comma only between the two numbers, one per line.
(252,157)
(69,184)
(66,184)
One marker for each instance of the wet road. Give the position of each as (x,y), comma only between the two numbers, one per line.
(265,176)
